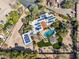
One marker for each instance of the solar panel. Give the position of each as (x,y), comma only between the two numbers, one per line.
(26,38)
(38,28)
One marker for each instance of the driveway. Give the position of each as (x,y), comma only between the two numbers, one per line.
(15,36)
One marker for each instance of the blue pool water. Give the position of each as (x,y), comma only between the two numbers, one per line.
(49,33)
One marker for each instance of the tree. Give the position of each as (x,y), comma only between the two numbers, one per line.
(56,46)
(34,10)
(60,39)
(55,24)
(68,4)
(1,41)
(13,16)
(1,26)
(11,19)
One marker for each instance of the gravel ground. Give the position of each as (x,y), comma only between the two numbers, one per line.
(5,8)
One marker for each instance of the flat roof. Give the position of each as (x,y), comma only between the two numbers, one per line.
(42,22)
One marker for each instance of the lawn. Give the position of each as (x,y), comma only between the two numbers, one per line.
(12,19)
(44,44)
(13,16)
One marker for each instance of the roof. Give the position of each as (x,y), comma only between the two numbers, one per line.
(27,3)
(43,24)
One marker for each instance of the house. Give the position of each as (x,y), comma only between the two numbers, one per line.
(44,21)
(40,25)
(54,3)
(27,3)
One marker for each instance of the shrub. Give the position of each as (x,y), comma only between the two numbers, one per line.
(60,39)
(63,16)
(43,44)
(11,19)
(56,46)
(68,4)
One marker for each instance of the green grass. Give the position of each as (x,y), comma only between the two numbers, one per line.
(11,19)
(68,4)
(44,44)
(13,16)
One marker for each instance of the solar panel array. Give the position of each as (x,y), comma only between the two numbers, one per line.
(26,38)
(49,19)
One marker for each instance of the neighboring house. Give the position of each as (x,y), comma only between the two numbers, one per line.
(54,3)
(27,3)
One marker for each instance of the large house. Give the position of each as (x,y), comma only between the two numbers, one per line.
(40,25)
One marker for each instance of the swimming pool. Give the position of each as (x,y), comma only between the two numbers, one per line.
(44,19)
(49,33)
